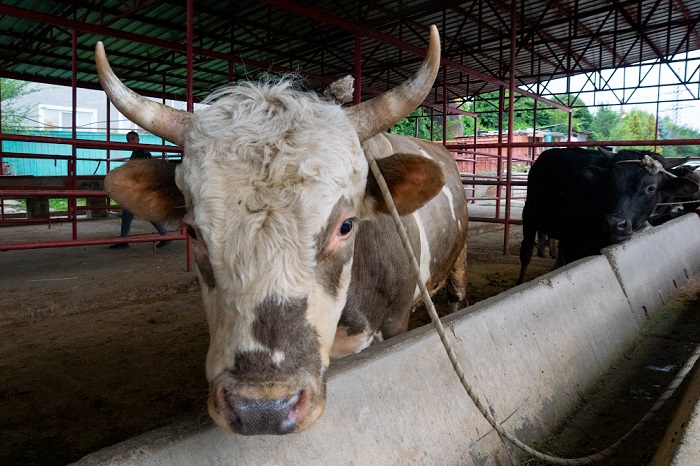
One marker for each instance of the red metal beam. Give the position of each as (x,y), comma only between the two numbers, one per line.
(50,192)
(639,28)
(494,30)
(88,242)
(582,27)
(651,142)
(87,143)
(318,15)
(187,49)
(182,48)
(507,7)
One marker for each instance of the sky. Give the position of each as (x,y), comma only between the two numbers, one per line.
(648,74)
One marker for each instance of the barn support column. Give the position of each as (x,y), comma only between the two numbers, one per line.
(444,104)
(73,162)
(511,104)
(190,107)
(534,129)
(444,82)
(190,55)
(108,114)
(499,164)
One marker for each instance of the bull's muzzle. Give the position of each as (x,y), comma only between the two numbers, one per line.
(619,228)
(253,417)
(264,409)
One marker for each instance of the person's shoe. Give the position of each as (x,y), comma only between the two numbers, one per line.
(119,246)
(162,243)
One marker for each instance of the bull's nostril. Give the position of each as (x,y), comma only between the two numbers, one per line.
(618,225)
(263,416)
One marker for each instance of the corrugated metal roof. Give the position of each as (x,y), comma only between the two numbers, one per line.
(146,39)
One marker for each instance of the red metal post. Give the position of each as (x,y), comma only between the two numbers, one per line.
(476,130)
(73,162)
(2,201)
(190,104)
(499,164)
(108,116)
(511,104)
(190,55)
(444,81)
(444,104)
(534,130)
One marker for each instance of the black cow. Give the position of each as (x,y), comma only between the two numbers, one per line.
(671,207)
(591,199)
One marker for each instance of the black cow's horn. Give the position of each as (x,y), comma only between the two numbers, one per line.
(167,122)
(384,111)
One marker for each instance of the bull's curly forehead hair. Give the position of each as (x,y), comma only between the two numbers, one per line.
(267,114)
(265,163)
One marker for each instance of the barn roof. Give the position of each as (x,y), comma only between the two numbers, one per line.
(146,40)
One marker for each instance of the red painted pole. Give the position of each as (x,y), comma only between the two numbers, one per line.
(511,111)
(73,162)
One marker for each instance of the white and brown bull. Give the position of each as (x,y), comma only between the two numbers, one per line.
(297,262)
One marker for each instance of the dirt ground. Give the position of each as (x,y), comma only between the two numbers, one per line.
(100,345)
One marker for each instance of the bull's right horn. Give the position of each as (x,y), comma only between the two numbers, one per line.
(384,111)
(163,121)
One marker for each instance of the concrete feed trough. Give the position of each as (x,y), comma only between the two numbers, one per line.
(530,354)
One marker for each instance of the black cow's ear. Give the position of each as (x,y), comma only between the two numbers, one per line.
(606,152)
(675,162)
(593,174)
(679,186)
(413,180)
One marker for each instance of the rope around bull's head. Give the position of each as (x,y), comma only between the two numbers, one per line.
(652,165)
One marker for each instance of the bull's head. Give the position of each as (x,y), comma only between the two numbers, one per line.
(271,187)
(632,186)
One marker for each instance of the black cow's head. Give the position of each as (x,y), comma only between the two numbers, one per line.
(631,183)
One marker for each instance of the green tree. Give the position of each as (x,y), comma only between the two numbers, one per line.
(581,118)
(486,106)
(670,130)
(635,125)
(417,124)
(604,121)
(13,114)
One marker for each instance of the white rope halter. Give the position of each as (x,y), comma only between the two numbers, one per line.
(652,165)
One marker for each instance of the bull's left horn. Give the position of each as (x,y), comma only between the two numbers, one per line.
(384,111)
(163,121)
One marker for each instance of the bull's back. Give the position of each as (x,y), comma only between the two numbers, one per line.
(444,220)
(556,190)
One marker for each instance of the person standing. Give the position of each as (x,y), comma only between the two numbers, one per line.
(127,217)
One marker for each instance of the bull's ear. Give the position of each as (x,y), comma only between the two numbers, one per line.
(607,152)
(413,180)
(147,188)
(593,174)
(679,186)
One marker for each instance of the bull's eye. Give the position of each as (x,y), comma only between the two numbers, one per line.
(651,189)
(191,232)
(345,228)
